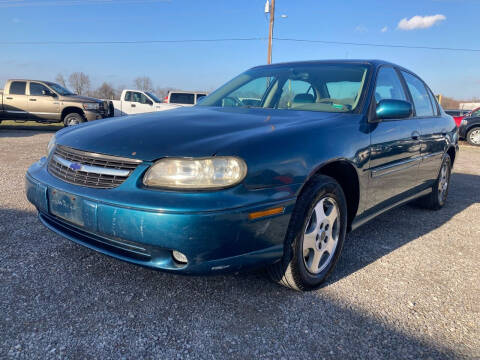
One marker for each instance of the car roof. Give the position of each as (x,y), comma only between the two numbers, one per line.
(42,81)
(373,62)
(186,92)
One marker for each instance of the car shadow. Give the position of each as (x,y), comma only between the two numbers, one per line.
(96,306)
(59,295)
(400,226)
(15,131)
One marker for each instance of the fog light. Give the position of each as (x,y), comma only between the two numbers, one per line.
(179,257)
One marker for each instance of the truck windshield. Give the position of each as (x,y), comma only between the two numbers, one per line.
(60,89)
(153,97)
(328,87)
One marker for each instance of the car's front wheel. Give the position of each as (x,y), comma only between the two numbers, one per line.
(73,119)
(315,236)
(473,136)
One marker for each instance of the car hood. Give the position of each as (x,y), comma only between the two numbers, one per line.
(79,98)
(184,132)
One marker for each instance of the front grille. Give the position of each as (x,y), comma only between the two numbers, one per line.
(90,169)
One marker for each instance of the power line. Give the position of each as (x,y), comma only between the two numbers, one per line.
(126,42)
(377,45)
(21,3)
(180,41)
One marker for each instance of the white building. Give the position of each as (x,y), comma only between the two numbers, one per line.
(468,106)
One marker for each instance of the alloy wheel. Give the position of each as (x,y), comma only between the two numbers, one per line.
(321,235)
(475,137)
(443,182)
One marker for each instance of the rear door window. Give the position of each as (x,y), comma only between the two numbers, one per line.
(182,98)
(436,111)
(18,87)
(420,97)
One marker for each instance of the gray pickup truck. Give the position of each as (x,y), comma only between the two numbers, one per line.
(45,101)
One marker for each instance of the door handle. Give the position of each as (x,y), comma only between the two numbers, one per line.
(32,99)
(9,98)
(133,105)
(415,135)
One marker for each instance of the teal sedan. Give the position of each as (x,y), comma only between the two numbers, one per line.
(270,170)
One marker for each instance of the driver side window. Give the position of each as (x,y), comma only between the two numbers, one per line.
(388,85)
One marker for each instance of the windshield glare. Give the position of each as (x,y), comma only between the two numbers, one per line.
(60,89)
(153,97)
(310,87)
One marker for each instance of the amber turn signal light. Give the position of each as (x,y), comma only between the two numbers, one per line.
(263,213)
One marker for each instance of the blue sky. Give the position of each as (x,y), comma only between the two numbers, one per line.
(208,65)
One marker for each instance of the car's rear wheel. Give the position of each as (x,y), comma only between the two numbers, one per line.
(438,197)
(315,236)
(73,119)
(473,136)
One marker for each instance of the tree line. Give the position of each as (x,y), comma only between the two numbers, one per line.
(80,84)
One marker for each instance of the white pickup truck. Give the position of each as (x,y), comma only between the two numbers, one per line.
(137,102)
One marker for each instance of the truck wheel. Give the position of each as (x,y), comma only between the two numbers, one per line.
(73,119)
(473,136)
(314,238)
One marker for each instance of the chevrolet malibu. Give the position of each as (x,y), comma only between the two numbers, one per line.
(272,169)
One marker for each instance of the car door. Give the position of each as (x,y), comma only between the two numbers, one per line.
(433,128)
(129,107)
(395,146)
(42,102)
(15,103)
(137,103)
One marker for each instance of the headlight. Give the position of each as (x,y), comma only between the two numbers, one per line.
(206,173)
(91,106)
(51,145)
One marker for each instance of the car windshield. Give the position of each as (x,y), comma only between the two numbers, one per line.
(60,89)
(153,97)
(327,87)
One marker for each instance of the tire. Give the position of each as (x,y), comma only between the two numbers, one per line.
(73,119)
(297,269)
(438,197)
(473,136)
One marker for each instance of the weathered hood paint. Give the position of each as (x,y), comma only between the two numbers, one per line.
(188,132)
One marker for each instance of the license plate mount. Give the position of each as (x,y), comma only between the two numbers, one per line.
(66,206)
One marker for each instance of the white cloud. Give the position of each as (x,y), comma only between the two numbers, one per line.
(361,28)
(420,22)
(384,29)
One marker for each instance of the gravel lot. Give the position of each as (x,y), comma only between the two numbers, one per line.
(407,286)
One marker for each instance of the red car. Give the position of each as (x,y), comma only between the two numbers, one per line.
(458,115)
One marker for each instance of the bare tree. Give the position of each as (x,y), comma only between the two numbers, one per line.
(144,83)
(79,82)
(105,91)
(60,80)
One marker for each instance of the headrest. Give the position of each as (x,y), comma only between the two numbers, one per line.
(303,98)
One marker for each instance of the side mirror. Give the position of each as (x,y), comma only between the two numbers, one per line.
(48,93)
(393,109)
(149,102)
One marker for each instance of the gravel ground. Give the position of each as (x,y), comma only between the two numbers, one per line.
(407,286)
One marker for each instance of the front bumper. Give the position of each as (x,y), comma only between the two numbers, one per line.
(214,239)
(93,115)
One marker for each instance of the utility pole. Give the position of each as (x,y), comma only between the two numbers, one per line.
(270,34)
